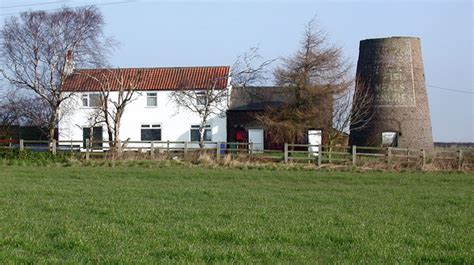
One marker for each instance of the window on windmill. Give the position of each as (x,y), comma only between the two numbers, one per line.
(201,98)
(389,139)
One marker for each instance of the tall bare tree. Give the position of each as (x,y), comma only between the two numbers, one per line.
(37,50)
(206,102)
(8,118)
(352,107)
(314,74)
(248,69)
(117,90)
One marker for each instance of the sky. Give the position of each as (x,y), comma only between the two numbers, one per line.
(193,33)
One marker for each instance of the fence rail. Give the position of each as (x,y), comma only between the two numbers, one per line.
(291,153)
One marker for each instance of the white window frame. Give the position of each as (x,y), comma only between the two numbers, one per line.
(148,95)
(199,96)
(86,97)
(196,127)
(151,126)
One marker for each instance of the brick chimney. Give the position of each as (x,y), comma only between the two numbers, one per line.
(69,63)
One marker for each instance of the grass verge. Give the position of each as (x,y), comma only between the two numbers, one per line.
(178,214)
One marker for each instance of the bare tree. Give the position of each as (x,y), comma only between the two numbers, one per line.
(314,74)
(352,108)
(8,119)
(117,90)
(248,69)
(23,110)
(38,47)
(206,102)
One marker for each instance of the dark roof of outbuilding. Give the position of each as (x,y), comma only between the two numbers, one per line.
(259,98)
(162,78)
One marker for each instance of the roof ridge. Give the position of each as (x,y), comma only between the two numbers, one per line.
(156,78)
(151,68)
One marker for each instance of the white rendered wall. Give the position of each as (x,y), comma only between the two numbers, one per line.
(175,123)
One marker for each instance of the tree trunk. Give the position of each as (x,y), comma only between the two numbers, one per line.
(52,126)
(117,135)
(110,133)
(201,137)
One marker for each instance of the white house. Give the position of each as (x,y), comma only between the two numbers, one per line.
(151,115)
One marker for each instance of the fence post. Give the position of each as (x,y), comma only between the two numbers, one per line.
(70,147)
(423,158)
(286,153)
(168,148)
(320,155)
(10,143)
(389,155)
(54,146)
(460,160)
(185,150)
(22,145)
(152,150)
(251,150)
(354,155)
(218,150)
(87,150)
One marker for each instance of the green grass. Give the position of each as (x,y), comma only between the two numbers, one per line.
(179,215)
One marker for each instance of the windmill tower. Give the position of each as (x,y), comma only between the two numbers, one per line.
(391,69)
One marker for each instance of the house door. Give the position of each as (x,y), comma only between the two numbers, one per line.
(256,138)
(314,140)
(96,136)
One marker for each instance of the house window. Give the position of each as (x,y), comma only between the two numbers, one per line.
(389,139)
(195,133)
(151,99)
(85,100)
(201,98)
(151,132)
(91,100)
(93,134)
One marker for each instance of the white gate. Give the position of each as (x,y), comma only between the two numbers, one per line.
(314,139)
(256,138)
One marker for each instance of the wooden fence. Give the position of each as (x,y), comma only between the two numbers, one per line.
(320,155)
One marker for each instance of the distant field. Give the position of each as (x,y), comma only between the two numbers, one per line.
(177,214)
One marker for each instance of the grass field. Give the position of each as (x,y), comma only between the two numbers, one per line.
(177,214)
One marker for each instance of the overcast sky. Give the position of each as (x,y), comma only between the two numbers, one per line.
(188,33)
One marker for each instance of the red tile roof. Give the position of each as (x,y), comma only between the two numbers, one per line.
(163,78)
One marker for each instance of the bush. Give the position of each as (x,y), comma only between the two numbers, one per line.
(30,157)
